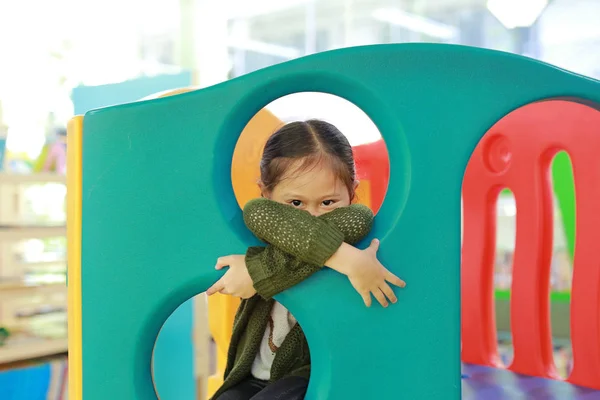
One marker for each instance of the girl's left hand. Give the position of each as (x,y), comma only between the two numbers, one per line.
(236,281)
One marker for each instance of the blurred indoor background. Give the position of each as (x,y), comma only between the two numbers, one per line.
(55,54)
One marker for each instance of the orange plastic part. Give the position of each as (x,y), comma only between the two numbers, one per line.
(516,153)
(245,170)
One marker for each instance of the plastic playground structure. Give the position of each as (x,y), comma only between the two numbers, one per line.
(145,225)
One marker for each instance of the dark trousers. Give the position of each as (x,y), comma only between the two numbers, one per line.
(290,388)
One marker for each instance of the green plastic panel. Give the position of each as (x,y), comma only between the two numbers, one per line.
(158,209)
(175,344)
(564,189)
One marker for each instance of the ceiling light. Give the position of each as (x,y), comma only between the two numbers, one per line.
(263,47)
(416,23)
(255,8)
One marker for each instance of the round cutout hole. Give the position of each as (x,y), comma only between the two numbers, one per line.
(370,151)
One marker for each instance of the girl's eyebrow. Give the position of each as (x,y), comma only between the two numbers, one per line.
(300,196)
(294,195)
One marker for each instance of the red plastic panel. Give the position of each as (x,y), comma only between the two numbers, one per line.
(516,153)
(373,164)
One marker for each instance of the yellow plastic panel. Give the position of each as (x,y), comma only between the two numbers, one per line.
(74,185)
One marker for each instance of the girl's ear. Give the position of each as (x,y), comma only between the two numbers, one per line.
(354,187)
(263,191)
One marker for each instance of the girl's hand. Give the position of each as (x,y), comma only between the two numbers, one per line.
(236,281)
(366,274)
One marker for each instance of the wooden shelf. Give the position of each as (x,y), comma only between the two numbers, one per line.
(31,232)
(42,177)
(30,349)
(41,265)
(21,296)
(18,288)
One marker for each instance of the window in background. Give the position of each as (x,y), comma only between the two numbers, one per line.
(563,32)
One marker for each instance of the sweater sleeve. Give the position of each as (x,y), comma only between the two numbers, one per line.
(295,232)
(274,270)
(355,222)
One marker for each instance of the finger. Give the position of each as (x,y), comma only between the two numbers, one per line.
(394,280)
(388,292)
(366,298)
(225,291)
(223,262)
(380,297)
(374,246)
(216,288)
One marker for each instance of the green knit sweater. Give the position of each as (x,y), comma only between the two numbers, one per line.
(298,244)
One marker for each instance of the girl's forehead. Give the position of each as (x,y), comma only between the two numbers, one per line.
(300,169)
(311,181)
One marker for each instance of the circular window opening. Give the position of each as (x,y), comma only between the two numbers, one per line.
(190,351)
(369,149)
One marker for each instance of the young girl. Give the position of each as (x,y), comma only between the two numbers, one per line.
(306,218)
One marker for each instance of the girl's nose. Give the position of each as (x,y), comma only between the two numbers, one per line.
(314,211)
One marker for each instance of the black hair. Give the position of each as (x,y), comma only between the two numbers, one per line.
(314,141)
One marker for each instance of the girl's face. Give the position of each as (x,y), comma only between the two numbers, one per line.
(316,189)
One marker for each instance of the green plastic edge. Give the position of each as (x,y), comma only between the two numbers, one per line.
(564,189)
(558,296)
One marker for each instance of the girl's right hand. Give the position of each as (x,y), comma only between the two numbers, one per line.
(366,274)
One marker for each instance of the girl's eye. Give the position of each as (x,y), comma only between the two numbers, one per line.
(328,203)
(296,203)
